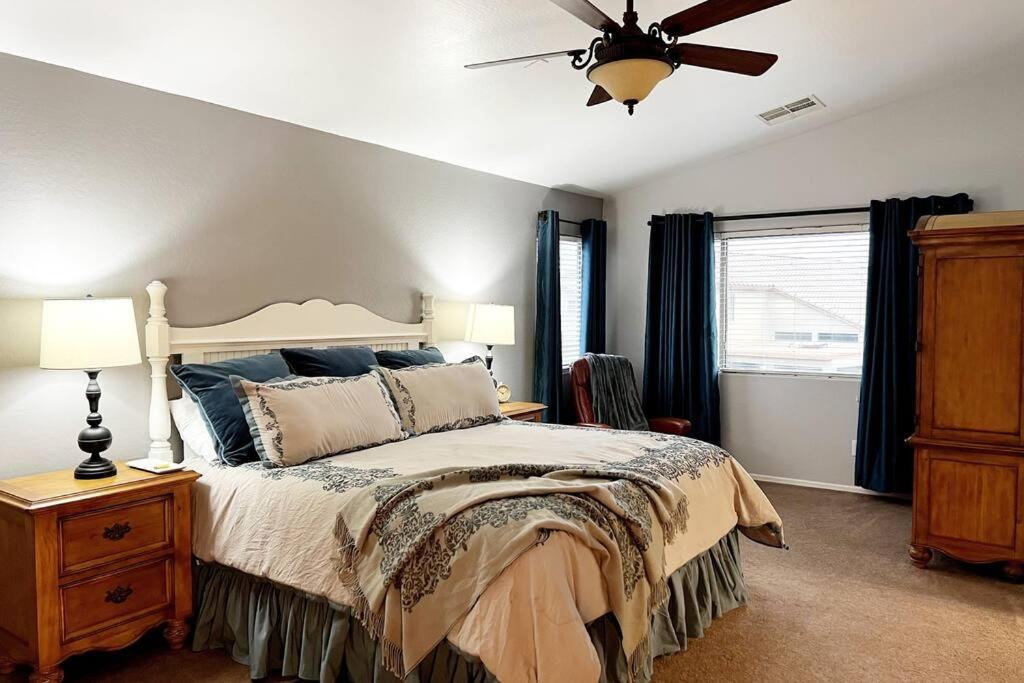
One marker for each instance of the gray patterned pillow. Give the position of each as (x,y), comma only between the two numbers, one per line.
(306,418)
(443,396)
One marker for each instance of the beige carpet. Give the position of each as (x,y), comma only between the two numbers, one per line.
(844,604)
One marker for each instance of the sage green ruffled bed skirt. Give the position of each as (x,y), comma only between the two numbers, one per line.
(274,629)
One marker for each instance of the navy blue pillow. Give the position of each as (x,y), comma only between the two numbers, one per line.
(338,361)
(210,387)
(393,360)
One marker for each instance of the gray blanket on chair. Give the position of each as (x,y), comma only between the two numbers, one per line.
(613,389)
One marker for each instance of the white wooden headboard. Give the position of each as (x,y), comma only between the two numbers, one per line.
(315,323)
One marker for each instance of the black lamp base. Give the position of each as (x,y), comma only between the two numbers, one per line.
(95,438)
(95,468)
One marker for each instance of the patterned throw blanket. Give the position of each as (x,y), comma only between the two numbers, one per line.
(613,387)
(417,551)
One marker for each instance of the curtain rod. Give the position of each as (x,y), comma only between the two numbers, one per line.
(790,214)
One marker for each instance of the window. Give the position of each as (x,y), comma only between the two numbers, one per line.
(792,301)
(570,264)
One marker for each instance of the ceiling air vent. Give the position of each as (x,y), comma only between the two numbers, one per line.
(786,112)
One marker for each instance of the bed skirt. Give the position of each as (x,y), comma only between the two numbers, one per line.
(274,629)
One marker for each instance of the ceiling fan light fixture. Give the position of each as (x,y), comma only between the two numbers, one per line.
(630,81)
(626,62)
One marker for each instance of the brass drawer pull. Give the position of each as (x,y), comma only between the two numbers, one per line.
(119,595)
(117,532)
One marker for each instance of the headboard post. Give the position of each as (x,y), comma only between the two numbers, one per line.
(158,353)
(427,312)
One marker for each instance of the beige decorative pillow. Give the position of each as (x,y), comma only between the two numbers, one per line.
(443,396)
(302,419)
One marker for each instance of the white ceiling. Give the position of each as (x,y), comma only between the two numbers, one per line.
(390,71)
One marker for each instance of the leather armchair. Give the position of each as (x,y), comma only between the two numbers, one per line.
(582,398)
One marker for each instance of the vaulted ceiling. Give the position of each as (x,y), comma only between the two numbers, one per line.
(390,72)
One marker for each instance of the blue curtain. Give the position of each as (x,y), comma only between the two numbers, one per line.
(547,354)
(595,256)
(888,392)
(681,348)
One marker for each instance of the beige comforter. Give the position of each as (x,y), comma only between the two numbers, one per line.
(529,623)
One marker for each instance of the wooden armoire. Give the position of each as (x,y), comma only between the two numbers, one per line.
(969,439)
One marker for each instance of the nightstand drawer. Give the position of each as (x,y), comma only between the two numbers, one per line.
(115,533)
(106,601)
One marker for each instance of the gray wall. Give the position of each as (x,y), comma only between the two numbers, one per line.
(105,186)
(965,137)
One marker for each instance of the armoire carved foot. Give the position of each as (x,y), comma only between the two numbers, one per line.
(920,555)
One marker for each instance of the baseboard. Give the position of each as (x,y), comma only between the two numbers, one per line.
(816,485)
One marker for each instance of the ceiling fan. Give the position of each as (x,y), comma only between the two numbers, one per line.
(626,62)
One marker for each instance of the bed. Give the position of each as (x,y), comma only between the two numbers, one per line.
(554,600)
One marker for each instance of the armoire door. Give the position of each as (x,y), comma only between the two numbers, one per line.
(972,318)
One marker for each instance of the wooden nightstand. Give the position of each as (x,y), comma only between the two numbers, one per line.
(523,410)
(92,564)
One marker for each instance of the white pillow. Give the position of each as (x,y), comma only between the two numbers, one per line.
(306,418)
(443,396)
(192,428)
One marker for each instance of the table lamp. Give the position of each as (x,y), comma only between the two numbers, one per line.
(90,334)
(490,324)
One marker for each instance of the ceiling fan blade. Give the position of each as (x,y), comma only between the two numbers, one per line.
(588,14)
(599,96)
(528,58)
(723,58)
(712,13)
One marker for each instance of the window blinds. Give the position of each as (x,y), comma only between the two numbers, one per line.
(570,265)
(792,302)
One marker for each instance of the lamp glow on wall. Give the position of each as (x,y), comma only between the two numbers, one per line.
(491,325)
(90,334)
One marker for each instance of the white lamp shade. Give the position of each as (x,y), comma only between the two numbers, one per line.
(491,324)
(86,334)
